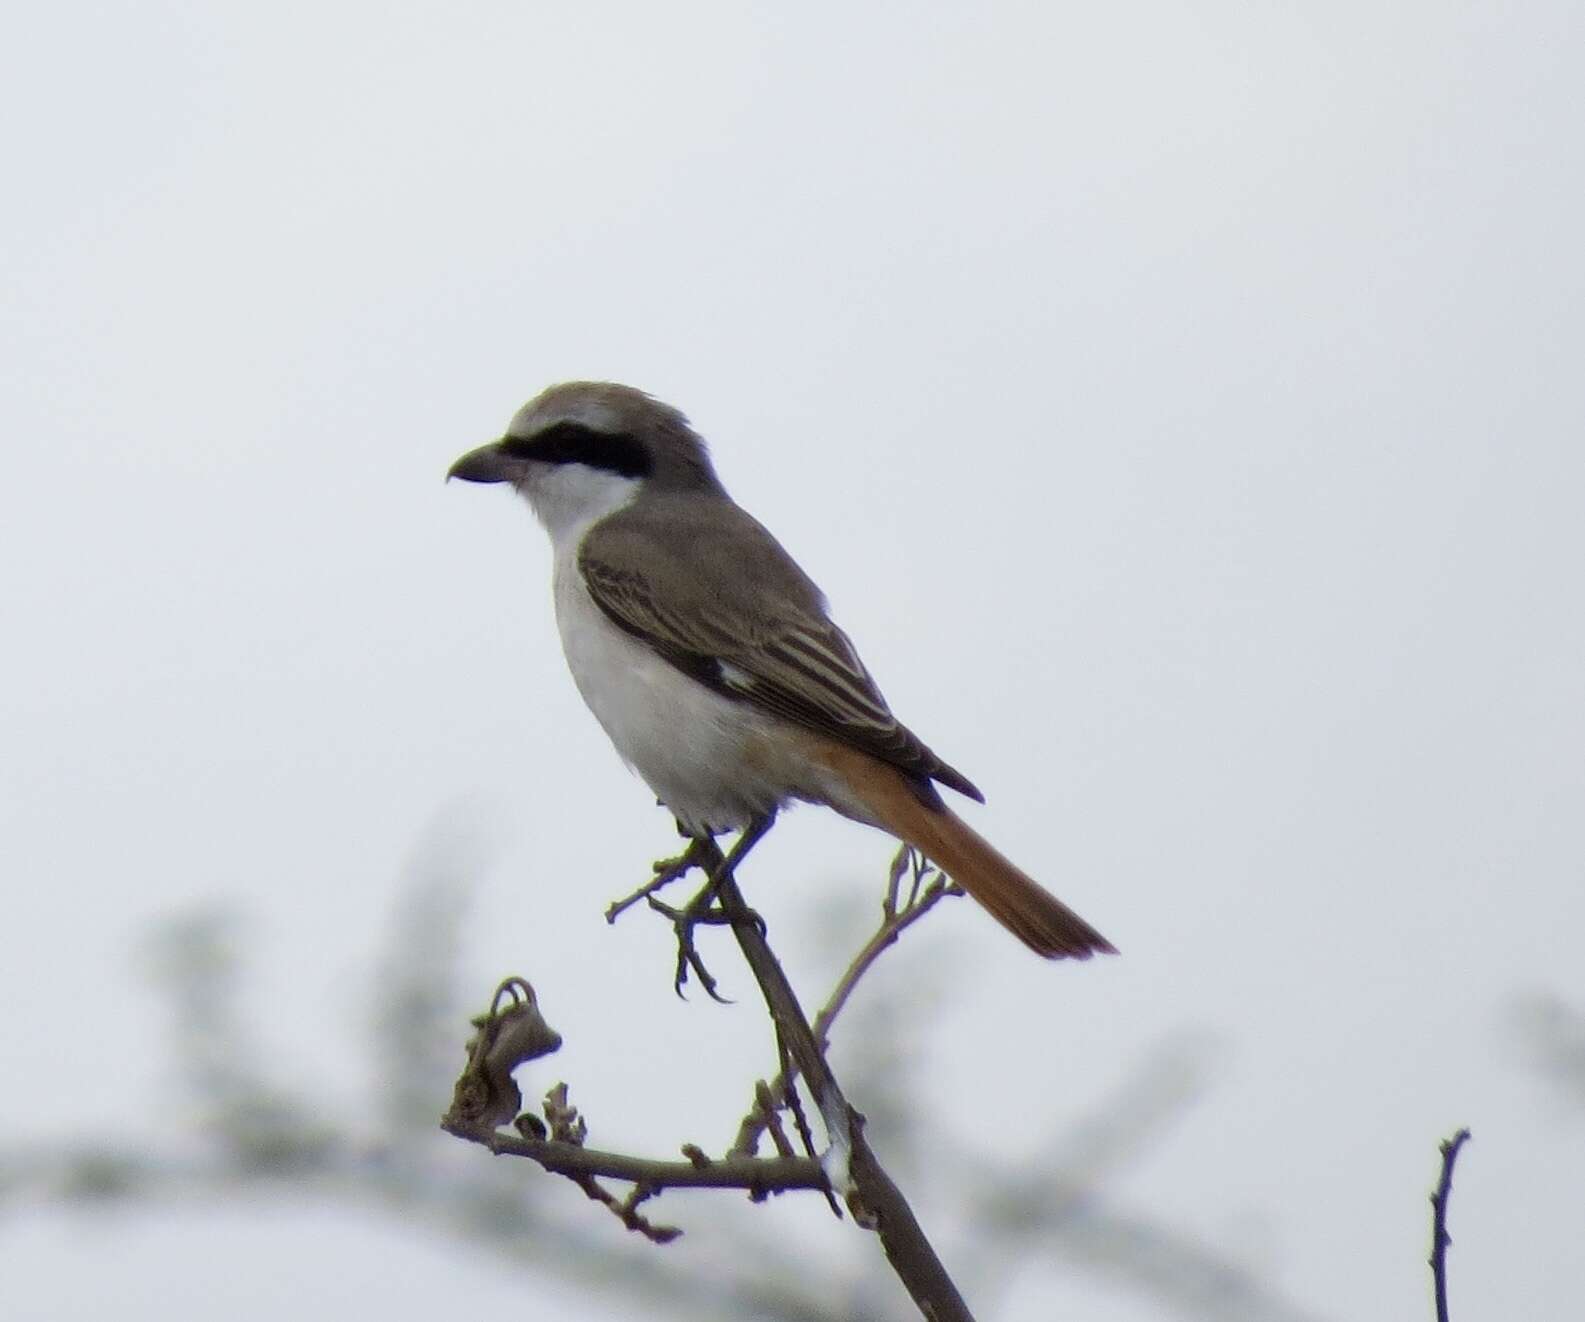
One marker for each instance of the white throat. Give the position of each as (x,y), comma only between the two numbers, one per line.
(569,499)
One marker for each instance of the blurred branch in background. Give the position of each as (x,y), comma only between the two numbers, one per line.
(254,1133)
(254,1119)
(1052,1204)
(1552,1036)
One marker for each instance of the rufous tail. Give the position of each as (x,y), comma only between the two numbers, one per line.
(1016,900)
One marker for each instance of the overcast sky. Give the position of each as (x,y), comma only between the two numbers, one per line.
(1181,405)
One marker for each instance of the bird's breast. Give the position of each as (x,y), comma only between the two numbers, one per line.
(715,762)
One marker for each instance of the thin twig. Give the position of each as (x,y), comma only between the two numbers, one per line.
(795,1108)
(755,1174)
(892,927)
(666,872)
(872,1196)
(769,1113)
(1440,1239)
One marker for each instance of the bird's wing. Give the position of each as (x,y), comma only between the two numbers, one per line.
(738,615)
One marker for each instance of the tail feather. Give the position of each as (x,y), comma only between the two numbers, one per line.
(1016,900)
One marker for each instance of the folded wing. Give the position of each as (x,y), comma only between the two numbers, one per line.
(738,615)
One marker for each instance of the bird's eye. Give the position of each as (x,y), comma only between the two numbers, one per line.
(573,443)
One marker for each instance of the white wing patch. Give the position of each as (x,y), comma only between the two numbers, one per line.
(734,678)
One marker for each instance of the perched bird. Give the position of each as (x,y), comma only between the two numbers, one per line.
(708,656)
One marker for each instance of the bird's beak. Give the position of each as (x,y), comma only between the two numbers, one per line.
(489,463)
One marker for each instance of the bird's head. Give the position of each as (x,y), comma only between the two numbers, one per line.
(582,449)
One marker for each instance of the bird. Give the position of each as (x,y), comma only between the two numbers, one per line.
(709,656)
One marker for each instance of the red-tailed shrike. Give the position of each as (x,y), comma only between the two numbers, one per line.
(708,656)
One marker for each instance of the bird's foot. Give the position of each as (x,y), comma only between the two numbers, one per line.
(701,909)
(705,908)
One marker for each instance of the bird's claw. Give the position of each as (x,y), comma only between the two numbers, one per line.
(683,921)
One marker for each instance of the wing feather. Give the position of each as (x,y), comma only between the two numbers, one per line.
(739,616)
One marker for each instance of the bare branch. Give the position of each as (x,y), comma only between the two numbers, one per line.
(1440,1239)
(486,1096)
(895,920)
(872,1197)
(666,871)
(757,1175)
(849,1164)
(1043,1211)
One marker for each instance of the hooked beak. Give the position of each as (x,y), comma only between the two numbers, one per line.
(489,463)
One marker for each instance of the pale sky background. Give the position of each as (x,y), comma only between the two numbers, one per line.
(1181,404)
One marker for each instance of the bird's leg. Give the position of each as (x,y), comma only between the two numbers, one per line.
(704,908)
(725,867)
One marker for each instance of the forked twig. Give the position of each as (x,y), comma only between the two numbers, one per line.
(929,887)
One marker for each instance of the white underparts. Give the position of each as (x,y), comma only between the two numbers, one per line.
(715,762)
